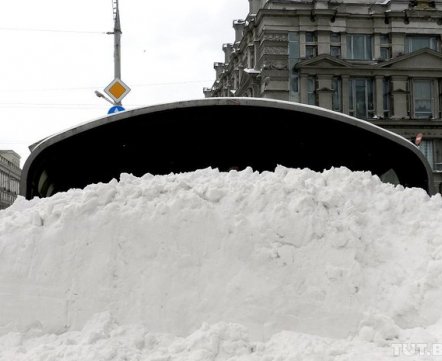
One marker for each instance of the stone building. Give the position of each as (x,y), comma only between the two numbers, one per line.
(380,61)
(10,174)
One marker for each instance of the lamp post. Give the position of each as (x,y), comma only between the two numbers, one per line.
(117,40)
(101,95)
(116,90)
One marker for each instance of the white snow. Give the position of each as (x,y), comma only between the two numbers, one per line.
(284,265)
(252,71)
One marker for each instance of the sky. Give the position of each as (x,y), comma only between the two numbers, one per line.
(57,53)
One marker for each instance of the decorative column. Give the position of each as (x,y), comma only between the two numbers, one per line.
(303,88)
(302,45)
(377,47)
(343,46)
(325,91)
(345,94)
(323,42)
(400,95)
(397,44)
(435,100)
(379,93)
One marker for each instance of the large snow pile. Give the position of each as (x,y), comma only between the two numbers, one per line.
(284,265)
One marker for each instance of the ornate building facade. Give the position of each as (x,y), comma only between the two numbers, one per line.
(379,60)
(10,174)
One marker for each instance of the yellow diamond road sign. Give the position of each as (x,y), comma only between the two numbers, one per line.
(117,90)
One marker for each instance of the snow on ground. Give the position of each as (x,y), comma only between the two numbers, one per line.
(284,265)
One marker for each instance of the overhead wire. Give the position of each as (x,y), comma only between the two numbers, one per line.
(55,106)
(52,30)
(98,87)
(22,105)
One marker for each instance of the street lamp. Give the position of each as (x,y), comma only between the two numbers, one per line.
(101,95)
(116,90)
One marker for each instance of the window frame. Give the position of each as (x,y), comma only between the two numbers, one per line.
(434,42)
(369,94)
(385,46)
(427,148)
(414,98)
(311,45)
(336,44)
(352,39)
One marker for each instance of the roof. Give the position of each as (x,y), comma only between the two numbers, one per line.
(188,135)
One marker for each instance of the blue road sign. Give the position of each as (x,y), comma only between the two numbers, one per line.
(116,109)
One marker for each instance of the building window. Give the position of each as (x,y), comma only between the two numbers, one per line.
(437,155)
(416,42)
(359,47)
(335,45)
(294,55)
(361,98)
(422,98)
(311,45)
(386,85)
(311,90)
(337,94)
(385,46)
(294,82)
(293,45)
(427,148)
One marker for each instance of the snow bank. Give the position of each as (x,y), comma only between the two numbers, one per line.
(335,266)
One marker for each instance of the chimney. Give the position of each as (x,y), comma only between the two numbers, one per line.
(219,67)
(227,48)
(238,25)
(207,92)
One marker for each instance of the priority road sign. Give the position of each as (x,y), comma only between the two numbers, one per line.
(117,90)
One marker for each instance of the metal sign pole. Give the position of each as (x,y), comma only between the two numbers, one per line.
(117,43)
(116,90)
